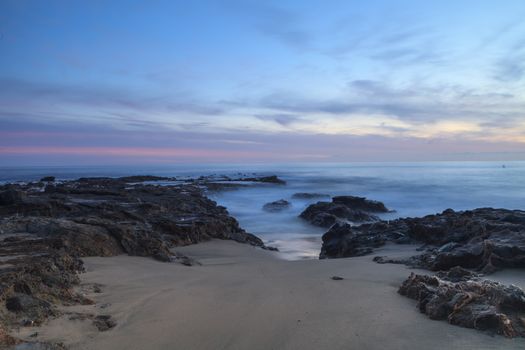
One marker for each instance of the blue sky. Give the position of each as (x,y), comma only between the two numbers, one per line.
(164,81)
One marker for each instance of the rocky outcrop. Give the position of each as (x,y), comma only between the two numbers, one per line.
(47,179)
(482,239)
(45,233)
(265,179)
(341,242)
(276,206)
(361,203)
(464,300)
(343,209)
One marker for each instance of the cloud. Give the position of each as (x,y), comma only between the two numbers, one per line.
(281,119)
(275,22)
(511,68)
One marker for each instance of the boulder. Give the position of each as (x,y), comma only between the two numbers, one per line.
(483,239)
(276,206)
(479,304)
(11,196)
(47,179)
(325,214)
(361,203)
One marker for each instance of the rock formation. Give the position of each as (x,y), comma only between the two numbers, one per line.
(343,209)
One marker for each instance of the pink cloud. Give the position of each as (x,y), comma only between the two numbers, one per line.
(130,152)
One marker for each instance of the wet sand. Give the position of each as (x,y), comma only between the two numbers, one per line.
(246,298)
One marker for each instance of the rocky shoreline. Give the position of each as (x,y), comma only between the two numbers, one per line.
(482,240)
(47,227)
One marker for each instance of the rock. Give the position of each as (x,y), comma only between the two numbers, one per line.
(104,322)
(482,239)
(480,304)
(342,209)
(47,179)
(306,195)
(265,179)
(361,203)
(340,242)
(272,179)
(34,309)
(43,235)
(6,340)
(279,205)
(11,196)
(185,260)
(142,178)
(337,278)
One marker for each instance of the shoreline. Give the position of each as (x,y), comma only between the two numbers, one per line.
(243,297)
(188,256)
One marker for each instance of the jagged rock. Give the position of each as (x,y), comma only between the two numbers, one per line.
(340,242)
(342,209)
(44,234)
(142,178)
(271,179)
(483,239)
(482,305)
(361,203)
(104,322)
(47,179)
(10,196)
(279,205)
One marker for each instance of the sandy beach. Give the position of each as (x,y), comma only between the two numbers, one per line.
(243,297)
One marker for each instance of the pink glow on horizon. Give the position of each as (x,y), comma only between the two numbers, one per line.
(128,151)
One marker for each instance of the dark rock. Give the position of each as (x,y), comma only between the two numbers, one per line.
(46,233)
(325,214)
(342,209)
(360,203)
(265,179)
(142,178)
(185,260)
(272,179)
(104,322)
(481,239)
(341,242)
(337,278)
(48,179)
(11,196)
(34,309)
(479,304)
(279,205)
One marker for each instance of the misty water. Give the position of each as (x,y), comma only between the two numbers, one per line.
(411,189)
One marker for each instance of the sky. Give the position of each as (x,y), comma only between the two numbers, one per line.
(140,82)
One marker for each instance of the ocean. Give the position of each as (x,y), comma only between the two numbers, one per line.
(410,189)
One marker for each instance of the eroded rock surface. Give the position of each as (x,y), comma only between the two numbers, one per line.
(276,206)
(482,239)
(343,209)
(46,228)
(466,301)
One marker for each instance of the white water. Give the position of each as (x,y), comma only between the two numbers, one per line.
(412,189)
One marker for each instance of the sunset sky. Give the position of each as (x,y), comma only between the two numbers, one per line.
(110,82)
